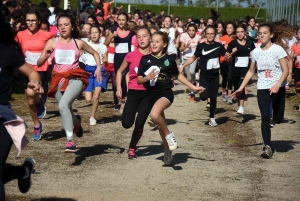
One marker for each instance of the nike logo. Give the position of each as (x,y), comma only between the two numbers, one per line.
(209,51)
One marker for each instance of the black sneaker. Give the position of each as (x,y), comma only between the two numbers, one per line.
(267,152)
(24,183)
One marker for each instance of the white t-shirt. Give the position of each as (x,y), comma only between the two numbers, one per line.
(100,48)
(171,46)
(185,38)
(268,66)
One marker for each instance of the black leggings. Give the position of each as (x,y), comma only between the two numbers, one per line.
(210,81)
(264,100)
(225,69)
(7,173)
(237,79)
(137,101)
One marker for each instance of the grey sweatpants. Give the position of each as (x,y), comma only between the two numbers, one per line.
(190,70)
(65,101)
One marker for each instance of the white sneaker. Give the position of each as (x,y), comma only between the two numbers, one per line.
(229,100)
(93,121)
(241,110)
(224,97)
(171,140)
(168,157)
(212,122)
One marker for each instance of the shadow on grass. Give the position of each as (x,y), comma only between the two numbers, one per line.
(55,135)
(176,92)
(55,113)
(95,150)
(168,121)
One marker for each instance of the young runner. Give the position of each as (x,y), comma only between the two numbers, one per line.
(68,80)
(209,53)
(122,39)
(32,41)
(272,70)
(137,100)
(240,50)
(155,72)
(295,54)
(91,67)
(189,42)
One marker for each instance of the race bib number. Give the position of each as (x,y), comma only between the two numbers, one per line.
(298,59)
(110,58)
(213,63)
(132,48)
(241,61)
(121,48)
(264,64)
(32,57)
(64,56)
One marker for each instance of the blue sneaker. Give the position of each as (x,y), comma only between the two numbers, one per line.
(78,131)
(70,147)
(40,108)
(37,132)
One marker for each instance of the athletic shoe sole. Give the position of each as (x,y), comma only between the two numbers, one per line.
(151,124)
(70,150)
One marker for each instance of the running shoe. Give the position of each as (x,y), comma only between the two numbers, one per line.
(37,132)
(131,154)
(93,121)
(70,147)
(212,122)
(241,110)
(192,97)
(267,152)
(229,100)
(151,122)
(207,105)
(40,109)
(24,183)
(171,140)
(272,123)
(78,129)
(168,157)
(224,97)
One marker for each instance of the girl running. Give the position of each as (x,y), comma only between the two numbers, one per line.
(189,42)
(137,100)
(209,53)
(68,80)
(272,70)
(122,39)
(91,67)
(226,66)
(32,41)
(155,73)
(240,50)
(11,59)
(173,36)
(251,26)
(110,71)
(295,54)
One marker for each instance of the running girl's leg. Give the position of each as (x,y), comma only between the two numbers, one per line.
(157,116)
(143,112)
(264,100)
(224,74)
(131,107)
(65,101)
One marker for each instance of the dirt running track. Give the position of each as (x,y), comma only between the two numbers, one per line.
(220,163)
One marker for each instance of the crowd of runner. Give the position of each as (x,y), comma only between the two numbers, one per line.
(62,54)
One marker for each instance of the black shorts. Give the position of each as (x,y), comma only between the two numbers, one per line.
(296,75)
(154,96)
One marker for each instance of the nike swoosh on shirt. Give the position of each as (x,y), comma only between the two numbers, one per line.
(209,51)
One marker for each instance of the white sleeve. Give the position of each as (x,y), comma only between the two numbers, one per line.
(281,52)
(253,58)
